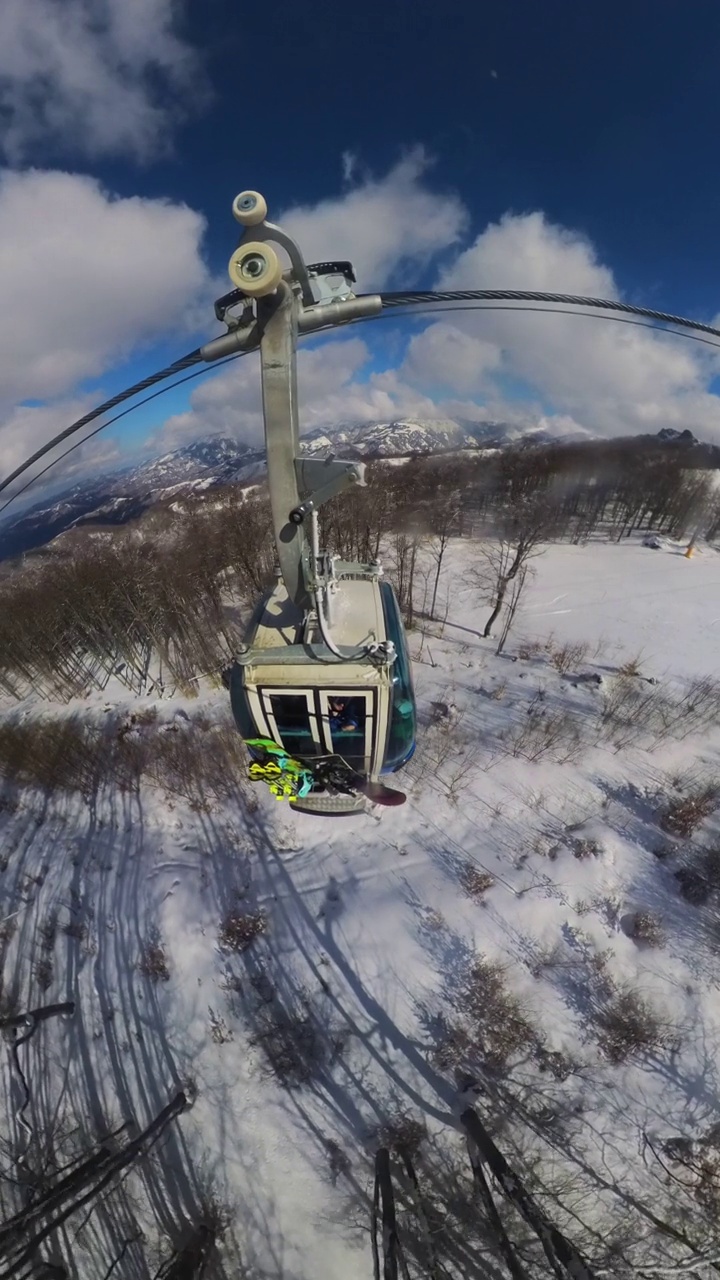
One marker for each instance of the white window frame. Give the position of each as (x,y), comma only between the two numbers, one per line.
(370,699)
(266,692)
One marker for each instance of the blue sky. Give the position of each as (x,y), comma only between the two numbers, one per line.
(603,116)
(542,145)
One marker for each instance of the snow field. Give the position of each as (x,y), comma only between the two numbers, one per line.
(371,929)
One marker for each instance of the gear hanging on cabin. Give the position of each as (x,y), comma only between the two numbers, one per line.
(288,779)
(291,779)
(283,786)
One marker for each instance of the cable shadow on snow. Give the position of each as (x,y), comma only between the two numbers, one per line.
(354,1100)
(380,1072)
(564,1102)
(112,1063)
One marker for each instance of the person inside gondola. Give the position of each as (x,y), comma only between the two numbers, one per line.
(343,717)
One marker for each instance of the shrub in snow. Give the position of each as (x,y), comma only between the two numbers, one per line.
(548,957)
(627,1026)
(44,973)
(558,1066)
(474,881)
(544,734)
(47,931)
(569,657)
(680,1149)
(583,849)
(61,754)
(339,1162)
(145,716)
(9,1002)
(294,1046)
(219,1030)
(701,1168)
(402,1134)
(8,929)
(629,711)
(455,1047)
(682,816)
(153,962)
(239,929)
(529,649)
(632,667)
(498,693)
(76,929)
(647,928)
(494,1026)
(434,920)
(693,886)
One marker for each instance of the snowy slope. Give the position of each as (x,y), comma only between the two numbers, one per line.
(372,926)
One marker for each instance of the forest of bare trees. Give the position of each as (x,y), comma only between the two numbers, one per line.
(113,606)
(156,610)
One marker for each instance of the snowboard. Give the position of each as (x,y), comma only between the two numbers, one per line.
(378,793)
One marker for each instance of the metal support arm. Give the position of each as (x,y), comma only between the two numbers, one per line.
(285,306)
(278,318)
(334,477)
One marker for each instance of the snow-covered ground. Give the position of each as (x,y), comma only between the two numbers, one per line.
(373,923)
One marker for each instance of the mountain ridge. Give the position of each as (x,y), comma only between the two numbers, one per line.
(119,496)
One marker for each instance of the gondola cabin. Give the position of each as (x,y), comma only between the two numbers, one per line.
(286,684)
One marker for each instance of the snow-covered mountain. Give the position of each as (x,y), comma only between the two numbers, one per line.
(670,436)
(121,496)
(391,439)
(218,456)
(118,497)
(403,436)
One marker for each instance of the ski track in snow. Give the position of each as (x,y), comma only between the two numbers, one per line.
(369,926)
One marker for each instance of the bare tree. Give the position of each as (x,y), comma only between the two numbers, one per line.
(521,529)
(443,525)
(516,589)
(501,561)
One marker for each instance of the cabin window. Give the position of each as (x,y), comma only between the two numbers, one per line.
(291,713)
(347,718)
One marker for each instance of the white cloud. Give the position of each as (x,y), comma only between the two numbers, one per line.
(85,278)
(26,428)
(612,378)
(572,373)
(388,227)
(94,77)
(330,391)
(608,377)
(349,165)
(442,356)
(527,252)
